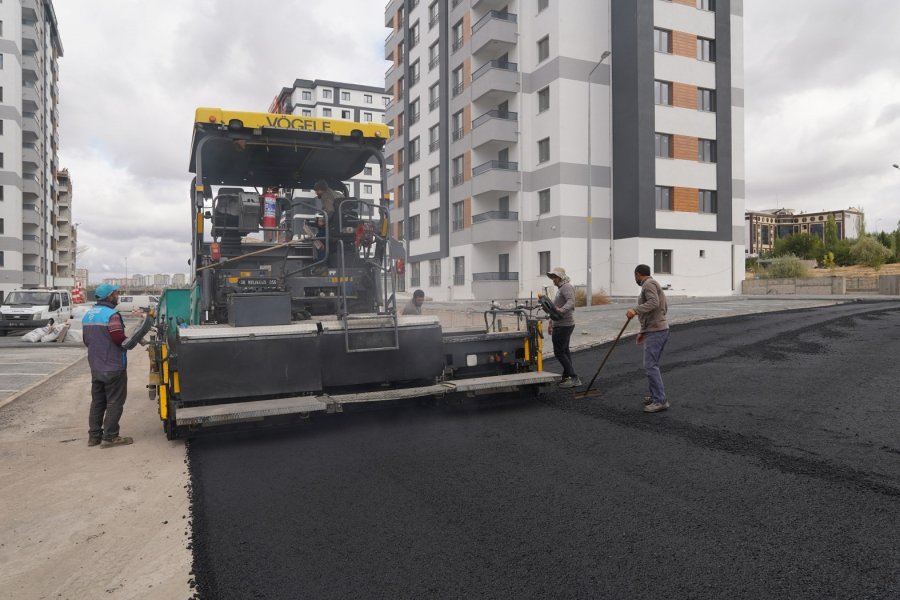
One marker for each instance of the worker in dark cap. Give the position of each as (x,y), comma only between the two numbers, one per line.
(561,330)
(327,196)
(414,306)
(104,333)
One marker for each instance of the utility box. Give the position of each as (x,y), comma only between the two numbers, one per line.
(249,310)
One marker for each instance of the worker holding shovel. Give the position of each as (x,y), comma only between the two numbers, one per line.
(651,311)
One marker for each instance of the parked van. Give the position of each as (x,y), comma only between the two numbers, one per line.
(24,310)
(130,302)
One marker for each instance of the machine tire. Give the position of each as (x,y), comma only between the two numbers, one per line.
(152,391)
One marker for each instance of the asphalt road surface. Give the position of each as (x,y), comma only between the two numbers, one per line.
(775,474)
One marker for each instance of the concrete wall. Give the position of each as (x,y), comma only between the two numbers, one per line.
(817,286)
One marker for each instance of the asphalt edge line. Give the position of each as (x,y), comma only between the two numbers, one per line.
(36,384)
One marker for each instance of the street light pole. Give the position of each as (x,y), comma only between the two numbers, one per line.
(126,275)
(590,165)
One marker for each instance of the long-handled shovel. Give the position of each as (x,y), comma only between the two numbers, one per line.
(587,391)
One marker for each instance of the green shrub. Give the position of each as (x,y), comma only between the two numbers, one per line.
(870,252)
(804,245)
(784,267)
(842,256)
(828,260)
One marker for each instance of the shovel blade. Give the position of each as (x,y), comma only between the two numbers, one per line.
(591,393)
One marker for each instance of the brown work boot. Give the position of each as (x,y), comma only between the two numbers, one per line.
(94,441)
(117,441)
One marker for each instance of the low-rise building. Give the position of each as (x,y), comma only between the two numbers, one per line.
(762,228)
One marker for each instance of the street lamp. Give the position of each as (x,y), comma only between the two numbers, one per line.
(896,166)
(590,165)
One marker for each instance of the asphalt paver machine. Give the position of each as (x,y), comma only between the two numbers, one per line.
(291,310)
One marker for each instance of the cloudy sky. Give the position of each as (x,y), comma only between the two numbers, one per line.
(822,103)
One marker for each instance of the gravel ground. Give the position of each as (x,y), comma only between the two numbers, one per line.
(776,474)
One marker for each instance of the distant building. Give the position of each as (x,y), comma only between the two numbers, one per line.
(762,228)
(179,280)
(161,280)
(66,232)
(138,280)
(81,277)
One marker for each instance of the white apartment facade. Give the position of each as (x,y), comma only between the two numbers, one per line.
(339,100)
(29,120)
(496,179)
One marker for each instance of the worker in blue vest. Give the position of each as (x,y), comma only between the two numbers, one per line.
(104,332)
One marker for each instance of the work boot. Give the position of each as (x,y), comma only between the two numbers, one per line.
(94,441)
(655,407)
(570,382)
(648,400)
(117,441)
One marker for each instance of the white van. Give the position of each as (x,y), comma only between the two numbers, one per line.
(129,302)
(24,310)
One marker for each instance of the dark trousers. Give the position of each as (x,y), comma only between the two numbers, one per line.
(561,335)
(108,391)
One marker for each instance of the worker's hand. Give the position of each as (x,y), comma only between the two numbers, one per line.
(550,327)
(631,313)
(639,339)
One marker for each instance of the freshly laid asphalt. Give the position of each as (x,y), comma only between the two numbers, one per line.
(775,474)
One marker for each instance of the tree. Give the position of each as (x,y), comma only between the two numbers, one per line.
(831,237)
(802,245)
(842,256)
(861,226)
(785,267)
(869,251)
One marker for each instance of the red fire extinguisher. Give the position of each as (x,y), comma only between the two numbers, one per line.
(269,204)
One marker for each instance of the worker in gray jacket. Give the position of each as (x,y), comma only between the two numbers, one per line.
(561,329)
(651,311)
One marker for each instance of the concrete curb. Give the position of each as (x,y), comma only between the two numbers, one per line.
(40,382)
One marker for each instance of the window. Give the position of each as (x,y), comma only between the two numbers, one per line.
(434,140)
(458,83)
(459,270)
(2,263)
(434,96)
(1,160)
(706,151)
(542,5)
(457,35)
(434,221)
(413,150)
(1,94)
(434,14)
(367,171)
(706,100)
(664,198)
(326,112)
(708,202)
(434,179)
(706,49)
(401,194)
(544,150)
(345,96)
(345,114)
(503,263)
(543,48)
(1,227)
(433,56)
(414,227)
(709,5)
(367,117)
(367,98)
(662,92)
(415,274)
(458,209)
(544,263)
(662,262)
(434,272)
(543,202)
(415,190)
(662,40)
(326,94)
(458,176)
(385,100)
(414,113)
(663,145)
(414,73)
(367,188)
(2,187)
(456,126)
(306,112)
(307,94)
(414,35)
(1,126)
(544,99)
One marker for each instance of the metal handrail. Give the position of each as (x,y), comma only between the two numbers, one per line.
(504,165)
(494,14)
(495,114)
(494,64)
(496,276)
(496,215)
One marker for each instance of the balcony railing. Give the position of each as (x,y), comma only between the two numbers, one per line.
(494,64)
(458,225)
(458,179)
(433,146)
(496,215)
(458,89)
(493,14)
(434,188)
(495,114)
(434,280)
(496,276)
(413,79)
(434,104)
(504,165)
(433,21)
(414,118)
(459,279)
(414,195)
(434,229)
(413,156)
(457,44)
(458,134)
(413,41)
(433,62)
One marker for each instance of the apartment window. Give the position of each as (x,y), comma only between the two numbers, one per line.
(544,150)
(1,160)
(434,221)
(2,187)
(434,272)
(413,150)
(503,263)
(542,5)
(709,5)
(458,177)
(706,151)
(458,209)
(434,140)
(367,98)
(1,94)
(385,100)
(367,171)
(414,73)
(1,126)
(1,227)
(2,263)
(367,188)
(544,99)
(306,94)
(306,112)
(662,92)
(414,35)
(664,197)
(663,145)
(367,117)
(415,278)
(662,262)
(434,55)
(706,49)
(326,112)
(544,263)
(1,61)
(414,227)
(414,113)
(401,194)
(434,179)
(459,270)
(434,96)
(706,100)
(456,126)
(434,14)
(345,114)
(708,202)
(326,94)
(543,202)
(457,35)
(543,48)
(345,96)
(662,40)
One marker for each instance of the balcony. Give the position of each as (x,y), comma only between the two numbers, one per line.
(30,215)
(494,80)
(496,32)
(30,98)
(489,4)
(495,175)
(31,246)
(495,285)
(495,226)
(390,78)
(495,126)
(30,157)
(30,123)
(390,11)
(30,185)
(30,68)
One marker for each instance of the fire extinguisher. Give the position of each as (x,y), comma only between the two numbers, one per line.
(269,204)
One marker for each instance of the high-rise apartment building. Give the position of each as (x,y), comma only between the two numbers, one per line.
(29,211)
(507,162)
(337,100)
(66,232)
